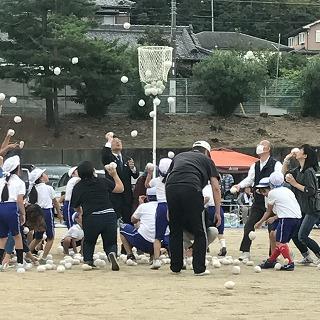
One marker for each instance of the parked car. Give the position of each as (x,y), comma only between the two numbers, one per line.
(54,172)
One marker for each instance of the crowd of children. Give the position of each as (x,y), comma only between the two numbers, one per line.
(27,216)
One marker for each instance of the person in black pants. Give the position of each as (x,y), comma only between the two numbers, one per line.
(187,176)
(90,197)
(112,152)
(261,169)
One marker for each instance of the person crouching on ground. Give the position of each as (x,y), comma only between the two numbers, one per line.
(91,199)
(142,237)
(283,203)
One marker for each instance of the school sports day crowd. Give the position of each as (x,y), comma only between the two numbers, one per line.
(174,208)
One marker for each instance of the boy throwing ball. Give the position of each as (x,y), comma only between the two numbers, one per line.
(283,203)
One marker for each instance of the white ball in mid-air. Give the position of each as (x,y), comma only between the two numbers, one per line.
(171,154)
(75,60)
(57,71)
(2,96)
(11,132)
(236,270)
(257,269)
(127,25)
(17,119)
(141,103)
(252,235)
(156,101)
(13,100)
(152,114)
(61,269)
(278,266)
(21,144)
(26,230)
(41,269)
(148,73)
(229,285)
(124,79)
(21,270)
(134,133)
(171,100)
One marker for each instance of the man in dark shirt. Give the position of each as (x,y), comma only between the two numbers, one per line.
(188,175)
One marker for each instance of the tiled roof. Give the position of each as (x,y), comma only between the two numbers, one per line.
(114,3)
(235,41)
(186,48)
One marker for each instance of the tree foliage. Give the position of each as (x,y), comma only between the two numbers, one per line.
(310,86)
(226,79)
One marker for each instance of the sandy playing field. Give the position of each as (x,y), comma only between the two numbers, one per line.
(140,293)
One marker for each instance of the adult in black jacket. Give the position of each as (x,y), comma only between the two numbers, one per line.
(261,169)
(112,152)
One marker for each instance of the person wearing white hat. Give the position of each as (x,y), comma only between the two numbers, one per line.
(283,207)
(142,237)
(188,174)
(43,195)
(260,169)
(12,191)
(68,211)
(162,208)
(74,236)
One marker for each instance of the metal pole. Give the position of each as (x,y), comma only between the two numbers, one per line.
(278,62)
(154,144)
(172,81)
(212,16)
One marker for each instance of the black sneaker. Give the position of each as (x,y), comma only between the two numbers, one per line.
(90,263)
(288,267)
(114,262)
(267,264)
(222,252)
(131,256)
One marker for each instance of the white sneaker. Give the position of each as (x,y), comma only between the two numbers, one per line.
(156,264)
(244,255)
(205,273)
(306,261)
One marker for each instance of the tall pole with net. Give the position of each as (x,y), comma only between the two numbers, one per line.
(155,63)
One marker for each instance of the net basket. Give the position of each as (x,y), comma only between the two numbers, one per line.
(155,63)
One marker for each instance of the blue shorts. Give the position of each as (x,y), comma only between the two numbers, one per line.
(68,211)
(9,219)
(49,219)
(273,226)
(286,229)
(161,220)
(211,213)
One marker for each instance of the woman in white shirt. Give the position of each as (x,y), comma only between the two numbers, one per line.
(12,212)
(44,196)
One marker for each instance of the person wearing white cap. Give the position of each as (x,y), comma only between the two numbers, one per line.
(73,238)
(143,236)
(283,207)
(43,195)
(68,211)
(188,174)
(260,169)
(162,208)
(12,191)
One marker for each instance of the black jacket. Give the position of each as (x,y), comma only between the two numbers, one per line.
(124,173)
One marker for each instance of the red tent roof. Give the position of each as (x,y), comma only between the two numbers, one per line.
(227,160)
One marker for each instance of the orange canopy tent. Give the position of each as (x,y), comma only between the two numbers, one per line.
(229,161)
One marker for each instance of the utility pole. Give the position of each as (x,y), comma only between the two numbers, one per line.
(172,92)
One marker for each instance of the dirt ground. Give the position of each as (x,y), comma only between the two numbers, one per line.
(140,293)
(78,131)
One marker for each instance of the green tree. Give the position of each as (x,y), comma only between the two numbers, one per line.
(226,79)
(36,44)
(310,86)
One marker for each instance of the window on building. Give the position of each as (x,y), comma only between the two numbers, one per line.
(317,35)
(301,38)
